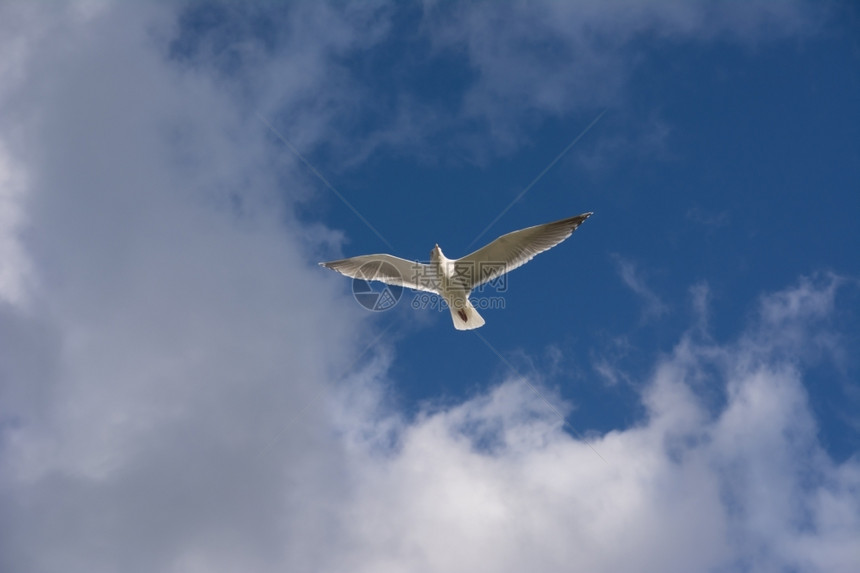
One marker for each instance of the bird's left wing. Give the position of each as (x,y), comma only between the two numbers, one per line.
(514,250)
(388,269)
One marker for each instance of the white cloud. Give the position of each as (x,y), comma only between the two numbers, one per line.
(493,484)
(172,398)
(179,326)
(14,263)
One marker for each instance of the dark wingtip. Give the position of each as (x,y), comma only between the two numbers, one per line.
(578,219)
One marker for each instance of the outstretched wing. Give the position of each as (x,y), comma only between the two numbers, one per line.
(514,250)
(388,269)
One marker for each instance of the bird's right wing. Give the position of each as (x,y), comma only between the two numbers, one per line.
(514,250)
(388,269)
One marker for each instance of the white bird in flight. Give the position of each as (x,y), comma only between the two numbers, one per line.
(454,279)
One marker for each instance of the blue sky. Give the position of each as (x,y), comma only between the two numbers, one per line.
(182,388)
(718,164)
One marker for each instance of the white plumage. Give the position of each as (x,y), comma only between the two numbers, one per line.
(454,279)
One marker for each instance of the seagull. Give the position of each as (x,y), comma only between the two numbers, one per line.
(454,279)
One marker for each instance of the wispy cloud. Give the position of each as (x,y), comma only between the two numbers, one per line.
(653,307)
(557,58)
(712,221)
(608,360)
(515,62)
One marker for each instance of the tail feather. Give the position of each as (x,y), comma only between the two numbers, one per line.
(465,316)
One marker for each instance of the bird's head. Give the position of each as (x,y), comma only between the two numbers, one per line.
(436,253)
